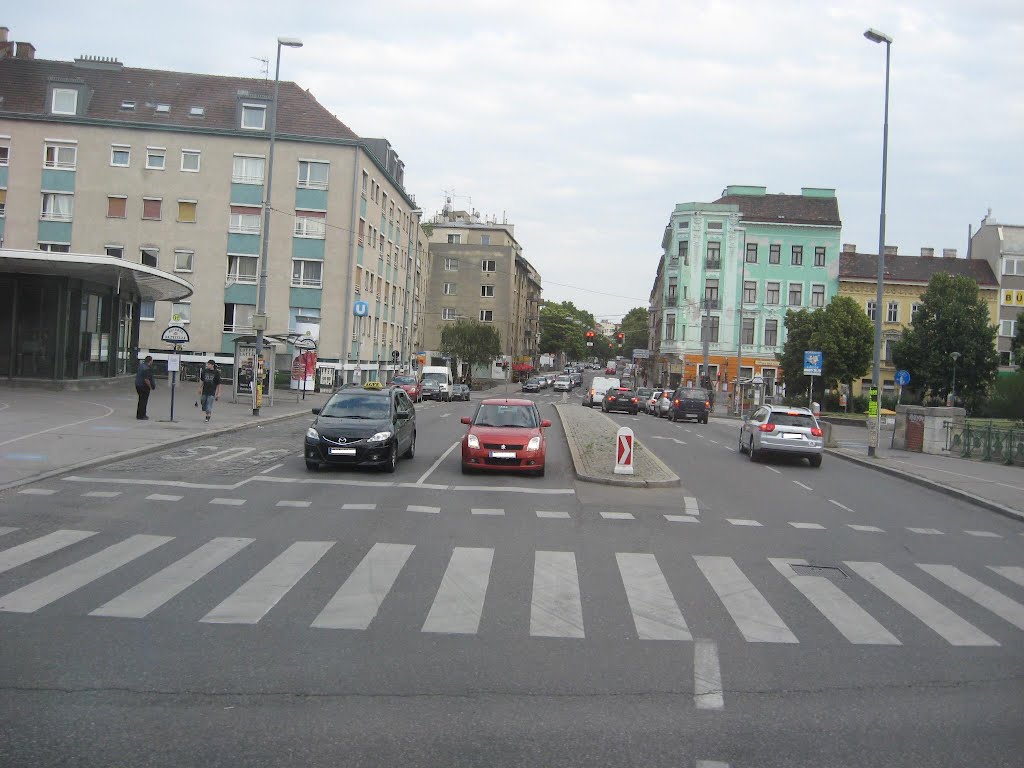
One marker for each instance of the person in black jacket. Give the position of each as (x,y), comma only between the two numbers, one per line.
(144,384)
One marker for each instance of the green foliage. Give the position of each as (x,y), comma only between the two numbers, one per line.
(472,342)
(953,317)
(428,228)
(843,334)
(1006,398)
(635,327)
(1018,342)
(562,329)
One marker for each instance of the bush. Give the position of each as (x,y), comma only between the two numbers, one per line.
(859,404)
(1006,398)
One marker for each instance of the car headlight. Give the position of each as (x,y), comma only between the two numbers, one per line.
(312,434)
(380,437)
(472,441)
(534,444)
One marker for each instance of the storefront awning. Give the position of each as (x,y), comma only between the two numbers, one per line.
(148,282)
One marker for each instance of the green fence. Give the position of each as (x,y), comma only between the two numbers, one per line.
(987,442)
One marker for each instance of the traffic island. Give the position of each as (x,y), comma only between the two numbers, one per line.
(592,442)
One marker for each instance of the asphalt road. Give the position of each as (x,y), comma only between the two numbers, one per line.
(218,605)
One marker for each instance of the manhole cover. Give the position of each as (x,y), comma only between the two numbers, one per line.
(828,571)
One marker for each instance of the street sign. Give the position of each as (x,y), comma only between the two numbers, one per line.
(361,309)
(304,342)
(902,377)
(873,403)
(175,334)
(757,381)
(812,363)
(624,451)
(641,354)
(395,355)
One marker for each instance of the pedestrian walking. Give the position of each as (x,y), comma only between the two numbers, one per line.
(144,384)
(209,387)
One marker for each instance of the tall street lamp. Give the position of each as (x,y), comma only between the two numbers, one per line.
(952,394)
(876,375)
(739,318)
(261,290)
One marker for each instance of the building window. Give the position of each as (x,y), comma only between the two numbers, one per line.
(711,293)
(187,211)
(448,313)
(366,181)
(714,260)
(247,169)
(181,312)
(796,294)
(451,265)
(670,327)
(488,265)
(55,247)
(711,325)
(749,292)
(120,155)
(190,159)
(673,288)
(3,204)
(870,309)
(244,220)
(485,239)
(64,101)
(448,289)
(151,207)
(313,175)
(1008,328)
(819,256)
(183,260)
(772,294)
(117,207)
(149,256)
(454,239)
(892,312)
(307,273)
(684,252)
(63,156)
(890,345)
(238,317)
(156,158)
(1013,266)
(302,316)
(486,315)
(57,206)
(771,333)
(774,254)
(684,225)
(487,291)
(310,224)
(797,256)
(817,295)
(254,117)
(5,155)
(147,310)
(751,253)
(913,310)
(747,331)
(714,225)
(242,268)
(114,251)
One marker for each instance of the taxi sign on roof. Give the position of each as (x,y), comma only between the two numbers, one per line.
(373,385)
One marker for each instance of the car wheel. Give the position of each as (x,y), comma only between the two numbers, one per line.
(411,452)
(754,455)
(392,462)
(312,466)
(466,470)
(815,460)
(539,472)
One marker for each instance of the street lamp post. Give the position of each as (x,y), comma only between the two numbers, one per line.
(261,290)
(876,374)
(952,394)
(739,319)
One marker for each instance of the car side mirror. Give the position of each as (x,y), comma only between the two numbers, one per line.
(545,423)
(403,415)
(466,420)
(316,411)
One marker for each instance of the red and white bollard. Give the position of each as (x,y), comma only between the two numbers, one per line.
(624,451)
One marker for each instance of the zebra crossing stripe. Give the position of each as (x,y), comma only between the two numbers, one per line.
(855,624)
(1001,605)
(4,531)
(251,601)
(356,603)
(707,676)
(556,609)
(655,612)
(756,620)
(928,610)
(144,598)
(44,545)
(459,602)
(46,590)
(1012,572)
(690,504)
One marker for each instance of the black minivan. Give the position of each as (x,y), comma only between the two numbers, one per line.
(689,402)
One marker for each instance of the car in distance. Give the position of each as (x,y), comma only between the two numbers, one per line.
(577,379)
(598,386)
(664,403)
(620,399)
(411,386)
(430,390)
(563,384)
(363,426)
(643,394)
(781,429)
(531,385)
(690,402)
(505,435)
(460,392)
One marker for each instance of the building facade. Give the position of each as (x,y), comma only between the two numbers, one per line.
(1002,247)
(906,280)
(169,169)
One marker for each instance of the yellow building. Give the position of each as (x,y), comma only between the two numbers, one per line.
(906,280)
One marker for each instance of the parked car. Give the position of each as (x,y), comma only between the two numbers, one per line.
(609,371)
(664,403)
(411,386)
(690,402)
(563,384)
(531,385)
(505,435)
(783,430)
(620,399)
(430,390)
(460,392)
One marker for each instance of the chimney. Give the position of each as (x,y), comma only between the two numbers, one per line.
(6,48)
(949,253)
(25,51)
(891,250)
(927,253)
(849,248)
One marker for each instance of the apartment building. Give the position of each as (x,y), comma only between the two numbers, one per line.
(169,170)
(1002,247)
(478,271)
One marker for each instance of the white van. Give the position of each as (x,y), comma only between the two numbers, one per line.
(599,385)
(442,374)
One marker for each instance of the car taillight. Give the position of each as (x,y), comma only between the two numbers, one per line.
(707,403)
(815,432)
(767,427)
(675,402)
(635,400)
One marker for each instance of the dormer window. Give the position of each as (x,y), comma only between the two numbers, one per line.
(64,101)
(128,106)
(254,117)
(163,109)
(197,111)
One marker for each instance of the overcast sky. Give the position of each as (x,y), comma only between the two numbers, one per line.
(586,122)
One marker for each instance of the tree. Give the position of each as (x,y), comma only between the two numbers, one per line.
(1018,342)
(472,342)
(952,317)
(561,330)
(842,333)
(635,327)
(799,328)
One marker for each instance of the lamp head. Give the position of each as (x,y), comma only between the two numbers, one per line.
(955,356)
(290,42)
(877,37)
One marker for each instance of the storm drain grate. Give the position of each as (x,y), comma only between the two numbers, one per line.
(828,571)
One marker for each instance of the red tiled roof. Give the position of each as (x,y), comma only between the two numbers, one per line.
(913,269)
(786,209)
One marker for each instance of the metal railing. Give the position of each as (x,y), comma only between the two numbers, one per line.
(987,442)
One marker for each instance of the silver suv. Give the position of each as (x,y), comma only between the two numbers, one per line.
(782,429)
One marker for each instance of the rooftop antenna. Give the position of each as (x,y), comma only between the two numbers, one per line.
(264,66)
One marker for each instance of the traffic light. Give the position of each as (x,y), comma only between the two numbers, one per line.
(590,335)
(621,336)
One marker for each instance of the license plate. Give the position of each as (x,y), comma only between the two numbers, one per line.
(503,454)
(791,436)
(342,451)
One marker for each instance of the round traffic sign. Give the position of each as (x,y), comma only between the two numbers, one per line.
(361,309)
(902,377)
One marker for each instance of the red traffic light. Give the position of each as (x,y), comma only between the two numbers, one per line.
(590,334)
(622,336)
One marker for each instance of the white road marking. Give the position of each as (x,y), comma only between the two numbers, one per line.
(556,609)
(728,448)
(682,519)
(983,534)
(1012,572)
(4,530)
(711,764)
(270,469)
(437,463)
(44,545)
(928,531)
(1001,605)
(511,489)
(756,620)
(359,506)
(445,415)
(459,602)
(356,603)
(713,441)
(168,483)
(707,682)
(617,515)
(773,469)
(229,453)
(690,505)
(927,609)
(292,504)
(865,528)
(251,601)
(485,511)
(163,497)
(37,492)
(227,502)
(805,487)
(63,426)
(751,523)
(101,494)
(655,612)
(145,597)
(307,480)
(46,590)
(420,508)
(856,624)
(552,515)
(841,506)
(809,526)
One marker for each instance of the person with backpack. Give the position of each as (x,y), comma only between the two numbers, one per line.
(209,387)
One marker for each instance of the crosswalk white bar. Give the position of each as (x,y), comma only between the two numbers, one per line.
(251,601)
(707,676)
(690,504)
(44,545)
(359,506)
(1001,605)
(655,612)
(556,609)
(4,531)
(459,602)
(144,598)
(756,620)
(486,511)
(46,590)
(421,508)
(1012,572)
(928,610)
(711,764)
(225,502)
(549,515)
(356,604)
(856,624)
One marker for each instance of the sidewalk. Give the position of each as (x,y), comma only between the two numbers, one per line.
(43,433)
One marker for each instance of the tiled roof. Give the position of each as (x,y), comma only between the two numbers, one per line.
(786,209)
(913,269)
(23,87)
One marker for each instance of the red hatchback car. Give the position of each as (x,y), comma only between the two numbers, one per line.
(411,386)
(505,435)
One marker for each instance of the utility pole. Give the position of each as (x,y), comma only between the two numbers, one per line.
(739,321)
(705,325)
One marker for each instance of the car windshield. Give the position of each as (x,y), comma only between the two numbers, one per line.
(503,415)
(436,377)
(693,394)
(644,393)
(430,384)
(404,380)
(792,419)
(357,405)
(564,378)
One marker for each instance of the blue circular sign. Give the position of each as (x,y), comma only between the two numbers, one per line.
(902,377)
(361,309)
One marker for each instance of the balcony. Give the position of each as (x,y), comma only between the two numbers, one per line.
(712,264)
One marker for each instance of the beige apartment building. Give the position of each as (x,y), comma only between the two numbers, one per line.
(169,169)
(478,271)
